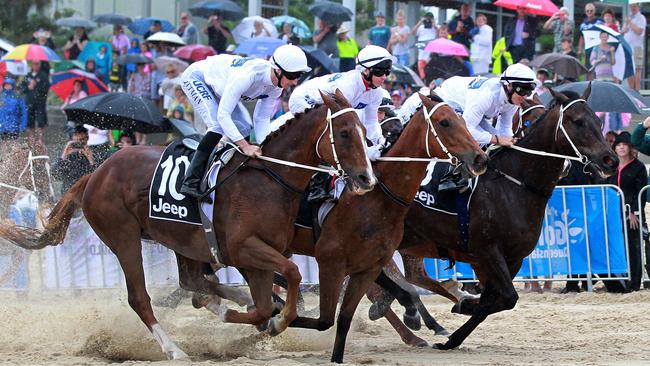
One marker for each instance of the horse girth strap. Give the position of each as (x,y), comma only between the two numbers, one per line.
(392,195)
(522,184)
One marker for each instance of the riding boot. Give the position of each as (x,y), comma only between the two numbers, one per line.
(319,189)
(452,181)
(194,174)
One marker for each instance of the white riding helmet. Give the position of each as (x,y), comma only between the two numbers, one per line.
(290,59)
(519,75)
(375,57)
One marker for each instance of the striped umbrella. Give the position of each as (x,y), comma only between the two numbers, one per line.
(32,52)
(63,83)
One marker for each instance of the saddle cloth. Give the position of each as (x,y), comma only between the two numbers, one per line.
(445,202)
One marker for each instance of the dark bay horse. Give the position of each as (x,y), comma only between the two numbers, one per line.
(361,233)
(506,217)
(254,213)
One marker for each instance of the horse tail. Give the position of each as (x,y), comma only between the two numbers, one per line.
(57,223)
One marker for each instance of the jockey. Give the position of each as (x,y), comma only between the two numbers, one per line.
(481,99)
(215,85)
(361,87)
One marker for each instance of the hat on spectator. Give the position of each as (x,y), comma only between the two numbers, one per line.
(379,14)
(543,70)
(42,33)
(342,29)
(9,81)
(428,15)
(396,92)
(623,138)
(79,129)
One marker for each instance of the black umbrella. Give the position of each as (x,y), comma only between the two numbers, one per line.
(75,22)
(444,67)
(226,8)
(330,12)
(605,97)
(118,111)
(134,58)
(319,61)
(114,19)
(403,75)
(561,64)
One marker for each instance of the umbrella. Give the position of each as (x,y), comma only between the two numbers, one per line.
(319,61)
(195,52)
(65,65)
(246,28)
(168,86)
(261,46)
(330,12)
(561,64)
(404,75)
(141,26)
(92,49)
(591,35)
(118,111)
(6,45)
(537,7)
(226,8)
(444,67)
(133,58)
(298,27)
(166,37)
(446,47)
(18,68)
(114,19)
(63,83)
(624,66)
(163,61)
(605,97)
(76,22)
(32,52)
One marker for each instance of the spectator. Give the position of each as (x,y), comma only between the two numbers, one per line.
(325,38)
(187,30)
(396,97)
(348,49)
(609,18)
(35,87)
(91,67)
(634,33)
(567,47)
(156,27)
(590,19)
(461,25)
(543,76)
(43,38)
(520,35)
(259,30)
(500,56)
(443,31)
(120,44)
(170,73)
(379,35)
(481,50)
(134,49)
(77,94)
(398,43)
(218,34)
(425,30)
(103,63)
(561,26)
(99,143)
(13,114)
(602,58)
(114,75)
(140,83)
(640,140)
(287,33)
(180,99)
(76,43)
(76,160)
(124,140)
(631,177)
(145,51)
(610,137)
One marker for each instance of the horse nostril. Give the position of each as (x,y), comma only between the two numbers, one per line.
(480,160)
(609,162)
(364,179)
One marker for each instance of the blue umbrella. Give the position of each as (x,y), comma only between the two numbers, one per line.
(298,27)
(142,25)
(114,19)
(226,8)
(261,46)
(624,66)
(319,61)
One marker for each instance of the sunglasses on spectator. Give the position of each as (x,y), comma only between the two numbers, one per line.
(380,72)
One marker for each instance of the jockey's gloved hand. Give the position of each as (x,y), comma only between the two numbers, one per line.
(249,150)
(374,151)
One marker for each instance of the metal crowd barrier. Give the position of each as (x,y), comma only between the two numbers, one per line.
(642,225)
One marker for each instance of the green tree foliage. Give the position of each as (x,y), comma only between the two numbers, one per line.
(16,22)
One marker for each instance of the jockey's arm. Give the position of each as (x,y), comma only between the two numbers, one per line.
(231,96)
(473,115)
(504,123)
(373,129)
(262,116)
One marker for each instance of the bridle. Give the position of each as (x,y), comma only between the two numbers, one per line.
(339,169)
(522,113)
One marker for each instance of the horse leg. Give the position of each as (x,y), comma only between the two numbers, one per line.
(331,281)
(415,274)
(357,287)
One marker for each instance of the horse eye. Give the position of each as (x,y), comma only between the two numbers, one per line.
(444,123)
(345,134)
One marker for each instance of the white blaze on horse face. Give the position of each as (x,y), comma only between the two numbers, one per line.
(369,173)
(168,346)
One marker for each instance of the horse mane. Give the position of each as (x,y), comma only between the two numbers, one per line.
(339,100)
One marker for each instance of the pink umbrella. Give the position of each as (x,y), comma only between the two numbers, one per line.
(538,7)
(446,47)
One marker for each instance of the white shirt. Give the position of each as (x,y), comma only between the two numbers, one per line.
(636,40)
(235,78)
(409,107)
(478,99)
(96,136)
(401,48)
(481,48)
(424,35)
(352,85)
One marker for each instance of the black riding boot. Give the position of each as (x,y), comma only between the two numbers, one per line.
(452,181)
(192,181)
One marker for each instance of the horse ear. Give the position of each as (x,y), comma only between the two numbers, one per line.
(327,100)
(587,92)
(559,97)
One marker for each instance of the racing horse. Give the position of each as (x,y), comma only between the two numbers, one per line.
(360,234)
(254,212)
(507,208)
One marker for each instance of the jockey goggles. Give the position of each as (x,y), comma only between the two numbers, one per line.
(379,72)
(524,90)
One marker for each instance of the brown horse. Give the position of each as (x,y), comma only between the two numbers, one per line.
(361,233)
(254,213)
(506,216)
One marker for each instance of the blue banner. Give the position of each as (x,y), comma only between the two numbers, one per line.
(569,229)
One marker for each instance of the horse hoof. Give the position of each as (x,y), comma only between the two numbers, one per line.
(264,326)
(412,321)
(440,346)
(442,332)
(378,310)
(418,342)
(177,355)
(277,325)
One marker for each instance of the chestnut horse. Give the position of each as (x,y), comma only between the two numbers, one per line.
(360,234)
(255,210)
(507,215)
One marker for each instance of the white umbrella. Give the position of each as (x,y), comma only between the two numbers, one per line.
(168,86)
(592,35)
(6,45)
(162,62)
(166,37)
(246,28)
(18,68)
